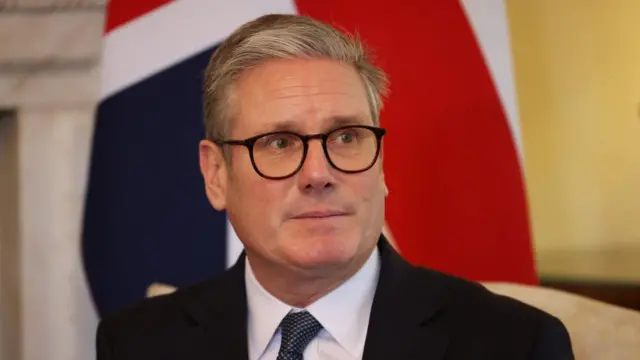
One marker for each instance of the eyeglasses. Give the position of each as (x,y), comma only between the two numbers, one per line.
(281,154)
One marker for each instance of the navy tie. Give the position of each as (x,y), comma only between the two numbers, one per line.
(298,328)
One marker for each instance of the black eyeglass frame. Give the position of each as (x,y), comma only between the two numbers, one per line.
(249,143)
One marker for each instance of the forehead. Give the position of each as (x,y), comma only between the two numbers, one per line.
(300,95)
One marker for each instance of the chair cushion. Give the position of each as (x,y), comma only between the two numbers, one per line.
(598,330)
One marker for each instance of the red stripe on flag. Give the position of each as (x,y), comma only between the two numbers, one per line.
(457,200)
(120,12)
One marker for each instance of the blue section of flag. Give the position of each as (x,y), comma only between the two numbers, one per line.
(147,218)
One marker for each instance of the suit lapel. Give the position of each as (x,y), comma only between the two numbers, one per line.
(219,312)
(406,321)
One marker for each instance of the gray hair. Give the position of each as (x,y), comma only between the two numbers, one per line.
(279,36)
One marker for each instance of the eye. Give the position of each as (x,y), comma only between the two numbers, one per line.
(279,143)
(346,136)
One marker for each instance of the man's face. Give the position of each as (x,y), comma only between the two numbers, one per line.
(292,222)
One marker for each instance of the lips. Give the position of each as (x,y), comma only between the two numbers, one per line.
(320,214)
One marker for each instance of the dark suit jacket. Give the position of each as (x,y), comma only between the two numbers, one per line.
(417,314)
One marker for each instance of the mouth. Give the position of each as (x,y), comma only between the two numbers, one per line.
(320,215)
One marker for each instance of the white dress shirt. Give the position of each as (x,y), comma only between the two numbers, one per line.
(343,313)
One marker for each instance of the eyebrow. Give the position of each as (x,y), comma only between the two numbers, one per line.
(333,122)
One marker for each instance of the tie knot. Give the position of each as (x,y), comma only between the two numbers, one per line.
(298,328)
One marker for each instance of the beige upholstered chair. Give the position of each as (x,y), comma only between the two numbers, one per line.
(157,289)
(599,331)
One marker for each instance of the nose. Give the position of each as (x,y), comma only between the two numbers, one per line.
(316,173)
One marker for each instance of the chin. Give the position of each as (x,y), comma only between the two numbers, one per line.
(321,251)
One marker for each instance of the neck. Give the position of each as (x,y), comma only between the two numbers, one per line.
(300,288)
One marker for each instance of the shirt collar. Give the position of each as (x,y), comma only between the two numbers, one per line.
(264,313)
(344,312)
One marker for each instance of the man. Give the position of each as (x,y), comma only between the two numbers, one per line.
(293,154)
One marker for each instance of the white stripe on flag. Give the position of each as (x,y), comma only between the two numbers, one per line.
(173,33)
(489,21)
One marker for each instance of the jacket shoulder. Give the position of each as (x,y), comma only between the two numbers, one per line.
(480,318)
(160,311)
(172,323)
(475,304)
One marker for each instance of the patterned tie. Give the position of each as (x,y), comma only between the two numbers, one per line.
(298,328)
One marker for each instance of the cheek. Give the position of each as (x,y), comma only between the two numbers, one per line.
(245,185)
(370,189)
(256,199)
(253,210)
(268,199)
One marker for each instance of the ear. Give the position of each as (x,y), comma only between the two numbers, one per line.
(214,171)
